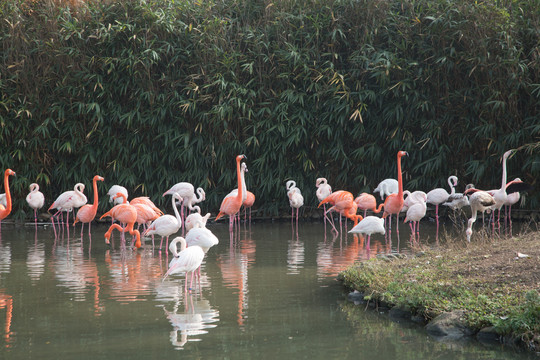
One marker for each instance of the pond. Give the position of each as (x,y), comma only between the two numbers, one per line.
(269,292)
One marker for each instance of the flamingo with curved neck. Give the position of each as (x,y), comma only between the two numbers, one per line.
(35,199)
(6,210)
(124,213)
(231,205)
(166,225)
(500,195)
(87,213)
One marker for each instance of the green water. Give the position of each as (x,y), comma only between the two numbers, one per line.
(268,293)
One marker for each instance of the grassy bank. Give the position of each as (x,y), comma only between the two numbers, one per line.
(490,279)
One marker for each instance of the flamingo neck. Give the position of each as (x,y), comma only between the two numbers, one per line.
(175,209)
(240,182)
(400,177)
(96,197)
(503,185)
(8,193)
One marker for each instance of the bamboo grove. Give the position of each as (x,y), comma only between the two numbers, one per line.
(151,93)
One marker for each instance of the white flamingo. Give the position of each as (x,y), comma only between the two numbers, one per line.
(166,225)
(35,199)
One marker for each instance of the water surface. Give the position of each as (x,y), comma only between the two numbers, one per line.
(270,292)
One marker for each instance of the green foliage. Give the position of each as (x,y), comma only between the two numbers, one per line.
(148,93)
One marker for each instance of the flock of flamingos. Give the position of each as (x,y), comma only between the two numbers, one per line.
(198,239)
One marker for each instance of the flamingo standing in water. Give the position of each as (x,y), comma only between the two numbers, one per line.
(166,225)
(115,189)
(187,197)
(127,214)
(87,213)
(387,187)
(6,210)
(416,211)
(67,201)
(439,196)
(368,226)
(187,260)
(343,202)
(323,190)
(231,205)
(194,219)
(367,202)
(234,192)
(35,199)
(394,202)
(296,201)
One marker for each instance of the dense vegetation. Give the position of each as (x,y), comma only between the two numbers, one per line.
(150,93)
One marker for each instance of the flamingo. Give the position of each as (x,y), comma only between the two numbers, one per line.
(512,189)
(125,213)
(368,226)
(387,187)
(187,196)
(231,205)
(145,215)
(194,218)
(367,202)
(416,211)
(115,189)
(479,201)
(87,213)
(296,200)
(166,225)
(323,190)
(187,260)
(69,200)
(6,210)
(146,200)
(439,195)
(500,194)
(394,202)
(343,202)
(457,201)
(248,204)
(35,199)
(201,236)
(234,192)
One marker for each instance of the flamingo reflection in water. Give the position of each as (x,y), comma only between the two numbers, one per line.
(234,269)
(198,316)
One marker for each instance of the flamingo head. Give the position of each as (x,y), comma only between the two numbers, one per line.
(507,154)
(118,195)
(98,178)
(320,181)
(240,157)
(10,172)
(402,153)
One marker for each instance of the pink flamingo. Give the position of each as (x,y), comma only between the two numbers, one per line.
(231,205)
(234,192)
(367,202)
(187,260)
(6,210)
(343,202)
(87,213)
(125,213)
(35,199)
(416,211)
(394,202)
(67,201)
